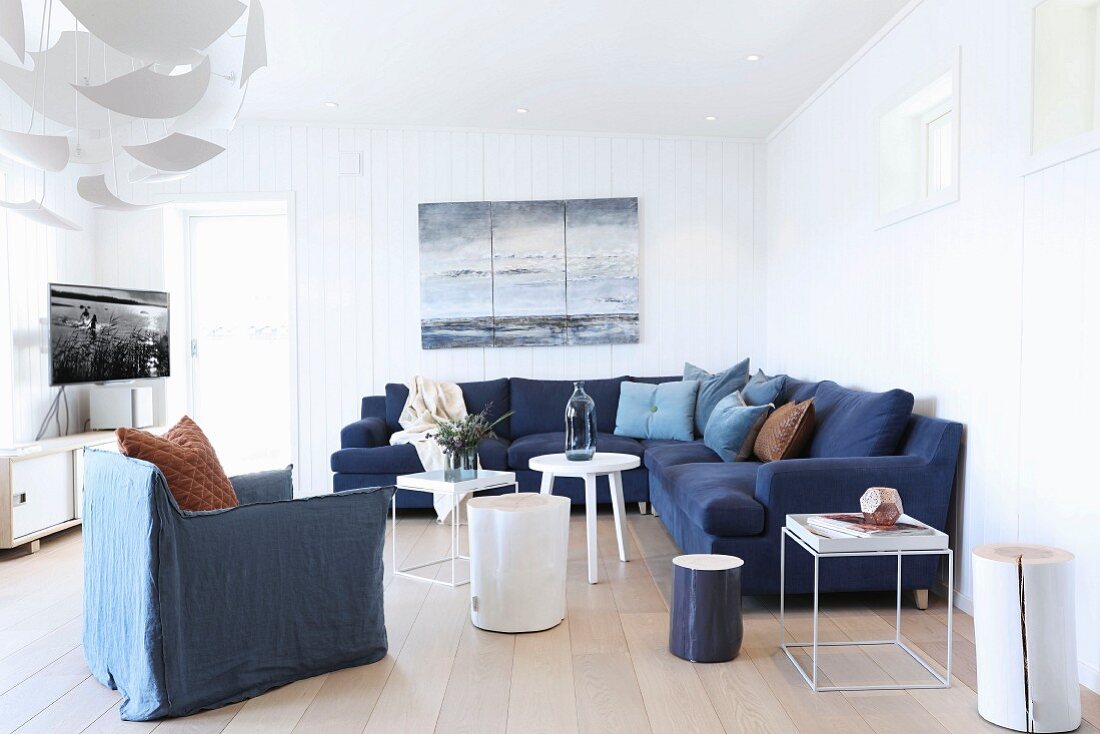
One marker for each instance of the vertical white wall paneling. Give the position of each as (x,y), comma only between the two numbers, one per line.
(31,256)
(357,254)
(979,308)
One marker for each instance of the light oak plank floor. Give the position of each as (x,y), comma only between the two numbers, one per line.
(606,669)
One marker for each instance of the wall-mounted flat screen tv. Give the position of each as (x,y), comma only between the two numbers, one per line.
(107,334)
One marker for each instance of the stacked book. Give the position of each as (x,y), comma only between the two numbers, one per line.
(852,525)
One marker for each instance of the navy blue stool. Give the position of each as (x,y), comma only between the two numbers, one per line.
(705,624)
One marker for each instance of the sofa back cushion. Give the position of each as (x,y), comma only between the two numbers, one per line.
(476,395)
(796,391)
(855,423)
(493,394)
(664,411)
(539,405)
(396,396)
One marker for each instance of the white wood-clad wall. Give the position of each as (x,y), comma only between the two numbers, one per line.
(986,309)
(357,271)
(31,256)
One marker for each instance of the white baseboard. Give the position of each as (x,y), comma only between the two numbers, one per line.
(1089,676)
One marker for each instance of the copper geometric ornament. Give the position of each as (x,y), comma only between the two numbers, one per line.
(881,506)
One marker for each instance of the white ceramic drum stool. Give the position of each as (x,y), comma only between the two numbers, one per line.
(1025,637)
(519,545)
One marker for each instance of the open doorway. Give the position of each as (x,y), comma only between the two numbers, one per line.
(240,332)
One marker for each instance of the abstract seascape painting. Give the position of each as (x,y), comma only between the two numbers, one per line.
(529,273)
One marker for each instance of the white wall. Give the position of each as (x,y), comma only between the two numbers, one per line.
(31,256)
(357,273)
(986,309)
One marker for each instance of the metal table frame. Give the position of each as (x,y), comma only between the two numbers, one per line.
(943,681)
(454,556)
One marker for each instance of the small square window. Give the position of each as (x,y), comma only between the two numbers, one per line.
(918,150)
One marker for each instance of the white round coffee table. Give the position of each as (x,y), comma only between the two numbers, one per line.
(602,464)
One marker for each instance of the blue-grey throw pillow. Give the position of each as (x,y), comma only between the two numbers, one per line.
(656,411)
(732,427)
(762,389)
(713,388)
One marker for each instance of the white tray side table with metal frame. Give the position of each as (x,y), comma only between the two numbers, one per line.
(602,464)
(821,547)
(457,483)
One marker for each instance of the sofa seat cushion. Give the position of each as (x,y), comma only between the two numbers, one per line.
(539,405)
(663,454)
(851,423)
(717,496)
(492,453)
(400,459)
(523,449)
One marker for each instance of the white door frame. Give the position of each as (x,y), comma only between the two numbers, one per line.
(178,211)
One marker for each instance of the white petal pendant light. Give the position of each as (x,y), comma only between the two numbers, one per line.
(44,152)
(177,152)
(161,31)
(90,151)
(12,29)
(93,189)
(255,42)
(53,73)
(34,211)
(144,93)
(145,174)
(217,109)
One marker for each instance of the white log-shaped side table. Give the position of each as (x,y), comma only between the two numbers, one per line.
(1025,636)
(519,549)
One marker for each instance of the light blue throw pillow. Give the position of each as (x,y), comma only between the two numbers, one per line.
(762,389)
(713,388)
(732,427)
(656,411)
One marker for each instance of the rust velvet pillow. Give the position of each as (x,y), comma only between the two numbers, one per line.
(187,460)
(786,433)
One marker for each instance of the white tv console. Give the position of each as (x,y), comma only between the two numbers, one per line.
(42,489)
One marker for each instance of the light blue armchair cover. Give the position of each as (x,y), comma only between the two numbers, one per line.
(189,611)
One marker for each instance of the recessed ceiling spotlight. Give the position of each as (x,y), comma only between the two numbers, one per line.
(332,104)
(710,118)
(753,57)
(522,110)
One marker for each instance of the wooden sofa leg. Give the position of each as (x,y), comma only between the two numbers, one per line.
(920,598)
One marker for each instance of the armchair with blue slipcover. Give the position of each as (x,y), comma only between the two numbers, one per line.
(185,611)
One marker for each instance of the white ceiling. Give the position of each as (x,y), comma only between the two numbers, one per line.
(629,66)
(632,66)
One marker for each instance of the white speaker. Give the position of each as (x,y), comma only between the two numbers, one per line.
(120,407)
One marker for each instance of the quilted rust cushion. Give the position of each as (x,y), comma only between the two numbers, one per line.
(786,433)
(187,460)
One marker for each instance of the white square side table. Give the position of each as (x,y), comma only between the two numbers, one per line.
(821,547)
(454,482)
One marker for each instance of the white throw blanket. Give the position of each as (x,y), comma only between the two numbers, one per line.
(429,403)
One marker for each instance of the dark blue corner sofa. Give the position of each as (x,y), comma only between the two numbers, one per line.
(709,506)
